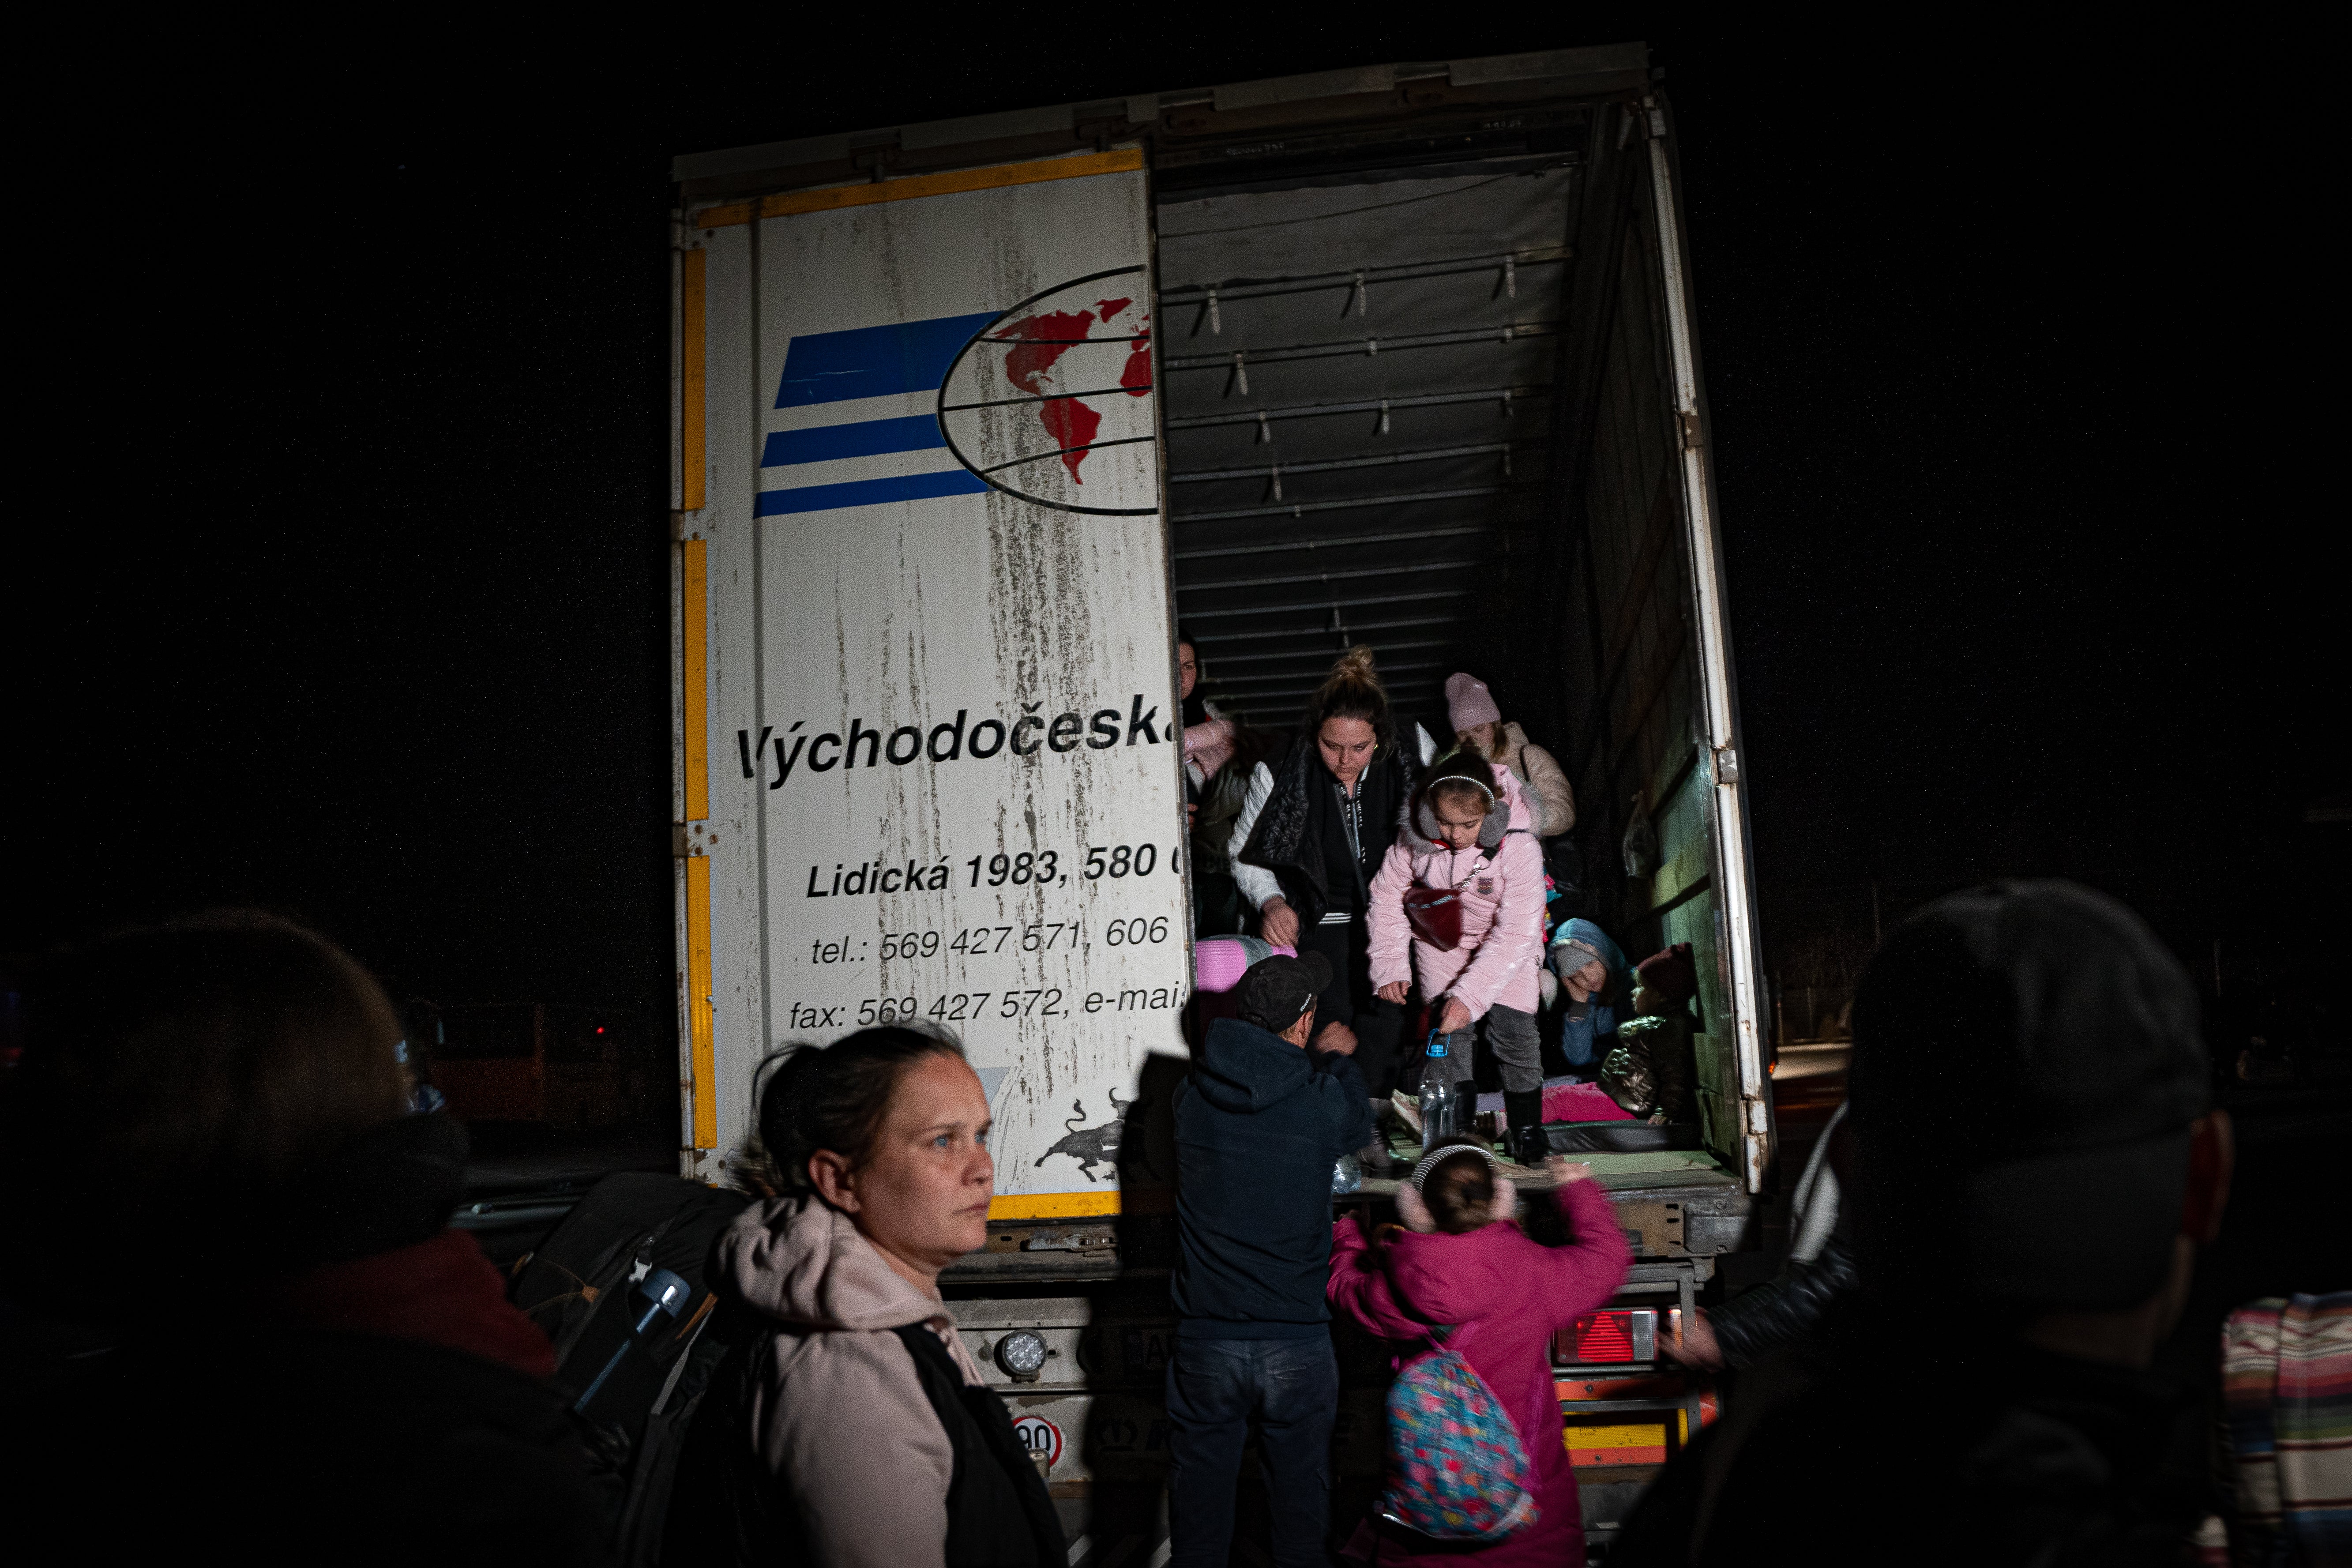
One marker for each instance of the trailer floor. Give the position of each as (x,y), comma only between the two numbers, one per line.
(1617,1173)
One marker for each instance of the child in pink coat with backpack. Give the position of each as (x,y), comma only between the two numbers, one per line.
(1465,1280)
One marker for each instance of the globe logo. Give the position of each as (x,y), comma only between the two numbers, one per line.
(1052,401)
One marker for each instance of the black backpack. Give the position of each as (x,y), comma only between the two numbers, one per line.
(582,1286)
(731,1510)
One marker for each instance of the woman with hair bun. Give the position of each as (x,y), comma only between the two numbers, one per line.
(1312,834)
(1478,953)
(853,1427)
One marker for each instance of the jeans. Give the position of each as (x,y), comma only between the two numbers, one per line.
(1215,1387)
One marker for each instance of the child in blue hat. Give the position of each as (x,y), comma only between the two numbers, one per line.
(1586,963)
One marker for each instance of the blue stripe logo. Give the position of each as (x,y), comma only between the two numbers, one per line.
(866,362)
(873,361)
(953,481)
(865,439)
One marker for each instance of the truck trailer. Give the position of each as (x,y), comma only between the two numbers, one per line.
(970,416)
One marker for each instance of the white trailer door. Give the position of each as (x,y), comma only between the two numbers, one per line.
(1734,870)
(941,731)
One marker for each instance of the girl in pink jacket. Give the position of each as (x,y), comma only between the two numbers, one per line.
(1465,831)
(1465,1265)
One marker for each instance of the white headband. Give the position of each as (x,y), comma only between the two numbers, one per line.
(1447,1151)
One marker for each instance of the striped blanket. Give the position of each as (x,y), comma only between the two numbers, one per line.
(2287,1390)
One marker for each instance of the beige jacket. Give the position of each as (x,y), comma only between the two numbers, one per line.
(1550,798)
(840,1414)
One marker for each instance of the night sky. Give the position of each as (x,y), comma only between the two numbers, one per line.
(339,575)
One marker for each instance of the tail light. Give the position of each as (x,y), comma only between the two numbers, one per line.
(1614,1337)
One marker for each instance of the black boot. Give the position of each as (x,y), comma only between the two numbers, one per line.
(1523,1108)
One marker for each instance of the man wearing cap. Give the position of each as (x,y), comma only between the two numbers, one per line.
(1260,1121)
(2036,1159)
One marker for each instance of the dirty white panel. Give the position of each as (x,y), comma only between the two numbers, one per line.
(968,802)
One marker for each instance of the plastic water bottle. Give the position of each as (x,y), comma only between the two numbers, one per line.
(1445,1109)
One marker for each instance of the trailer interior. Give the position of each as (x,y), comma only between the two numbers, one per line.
(1413,395)
(1418,389)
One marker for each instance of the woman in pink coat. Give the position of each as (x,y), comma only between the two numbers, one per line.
(1466,1263)
(1466,829)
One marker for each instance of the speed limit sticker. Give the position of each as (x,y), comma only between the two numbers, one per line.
(1040,1435)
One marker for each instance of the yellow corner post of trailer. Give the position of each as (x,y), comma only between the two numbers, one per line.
(1054,1206)
(701,1022)
(698,1010)
(694,633)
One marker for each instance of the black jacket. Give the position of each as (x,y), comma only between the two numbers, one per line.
(2029,1458)
(1259,1123)
(1286,839)
(1778,1311)
(729,1507)
(1649,1069)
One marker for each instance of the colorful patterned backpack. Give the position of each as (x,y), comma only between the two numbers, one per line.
(1457,1469)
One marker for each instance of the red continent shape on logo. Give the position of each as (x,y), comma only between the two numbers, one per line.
(1040,341)
(1136,377)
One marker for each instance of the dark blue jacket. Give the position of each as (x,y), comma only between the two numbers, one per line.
(1259,1123)
(1584,1027)
(1580,1037)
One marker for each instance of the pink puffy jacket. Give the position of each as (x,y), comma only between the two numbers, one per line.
(1501,954)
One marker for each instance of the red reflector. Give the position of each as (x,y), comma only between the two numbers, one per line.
(1603,1337)
(600,1028)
